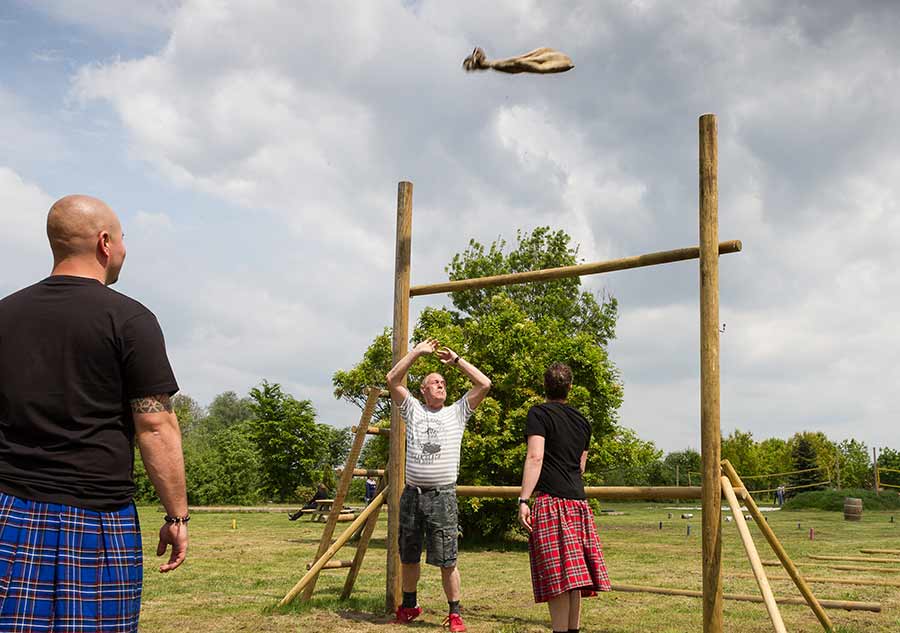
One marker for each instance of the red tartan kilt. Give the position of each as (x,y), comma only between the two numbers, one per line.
(564,549)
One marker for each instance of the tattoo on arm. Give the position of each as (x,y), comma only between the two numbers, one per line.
(152,404)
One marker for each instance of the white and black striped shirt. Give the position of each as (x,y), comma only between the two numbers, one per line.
(433,441)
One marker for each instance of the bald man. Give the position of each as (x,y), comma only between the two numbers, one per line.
(83,374)
(428,508)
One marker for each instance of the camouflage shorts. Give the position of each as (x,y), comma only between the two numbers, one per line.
(429,516)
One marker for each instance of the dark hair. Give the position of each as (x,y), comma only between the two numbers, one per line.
(557,381)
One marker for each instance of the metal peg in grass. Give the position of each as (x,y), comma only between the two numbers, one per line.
(689,529)
(812,534)
(660,525)
(542,61)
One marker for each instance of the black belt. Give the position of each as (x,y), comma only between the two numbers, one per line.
(421,489)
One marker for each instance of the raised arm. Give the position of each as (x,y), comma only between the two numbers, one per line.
(481,384)
(395,377)
(159,438)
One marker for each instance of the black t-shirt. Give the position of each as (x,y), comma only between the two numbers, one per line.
(73,353)
(567,434)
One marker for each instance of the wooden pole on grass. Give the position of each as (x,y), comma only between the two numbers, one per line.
(847,605)
(854,559)
(331,551)
(755,564)
(397,455)
(710,431)
(780,552)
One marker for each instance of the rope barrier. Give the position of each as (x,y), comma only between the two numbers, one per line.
(792,472)
(786,488)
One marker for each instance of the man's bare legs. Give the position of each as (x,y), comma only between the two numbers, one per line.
(450,580)
(565,611)
(559,612)
(409,576)
(574,609)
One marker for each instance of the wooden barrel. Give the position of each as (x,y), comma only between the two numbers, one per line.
(852,509)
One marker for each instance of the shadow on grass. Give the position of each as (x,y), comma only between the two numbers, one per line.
(357,609)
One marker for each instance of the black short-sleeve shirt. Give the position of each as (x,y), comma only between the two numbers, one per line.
(567,434)
(72,354)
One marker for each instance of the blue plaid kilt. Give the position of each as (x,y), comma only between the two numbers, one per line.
(68,570)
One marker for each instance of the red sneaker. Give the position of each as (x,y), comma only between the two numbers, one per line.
(455,622)
(405,615)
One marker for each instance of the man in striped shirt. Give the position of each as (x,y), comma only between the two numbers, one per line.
(428,510)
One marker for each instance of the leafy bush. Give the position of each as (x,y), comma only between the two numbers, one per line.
(833,500)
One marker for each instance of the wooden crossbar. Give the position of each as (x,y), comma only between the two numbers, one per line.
(578,270)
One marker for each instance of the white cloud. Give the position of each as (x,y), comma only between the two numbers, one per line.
(23,214)
(307,117)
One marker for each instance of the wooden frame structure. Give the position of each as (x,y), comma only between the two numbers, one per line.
(718,477)
(710,432)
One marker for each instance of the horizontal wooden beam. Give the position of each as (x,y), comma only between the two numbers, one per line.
(854,559)
(607,493)
(364,472)
(847,605)
(333,564)
(883,570)
(828,580)
(880,551)
(373,430)
(578,270)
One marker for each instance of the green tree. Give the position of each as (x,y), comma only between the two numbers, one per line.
(855,464)
(804,456)
(512,334)
(687,461)
(227,469)
(826,456)
(290,443)
(740,449)
(889,458)
(227,409)
(188,412)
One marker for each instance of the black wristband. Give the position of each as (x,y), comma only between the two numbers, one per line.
(525,501)
(456,360)
(176,520)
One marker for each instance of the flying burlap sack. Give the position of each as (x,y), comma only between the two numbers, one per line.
(542,61)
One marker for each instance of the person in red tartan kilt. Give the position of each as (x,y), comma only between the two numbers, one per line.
(566,557)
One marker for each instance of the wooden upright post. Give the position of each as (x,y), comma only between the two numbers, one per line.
(710,432)
(397,455)
(875,466)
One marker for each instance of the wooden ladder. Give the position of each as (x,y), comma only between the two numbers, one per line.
(365,530)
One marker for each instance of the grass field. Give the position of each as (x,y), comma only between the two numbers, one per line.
(234,577)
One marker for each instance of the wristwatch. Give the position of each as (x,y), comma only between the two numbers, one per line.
(525,501)
(456,360)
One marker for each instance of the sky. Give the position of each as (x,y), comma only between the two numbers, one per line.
(253,150)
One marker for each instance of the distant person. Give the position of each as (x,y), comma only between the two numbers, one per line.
(428,507)
(370,489)
(779,495)
(83,375)
(320,493)
(566,557)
